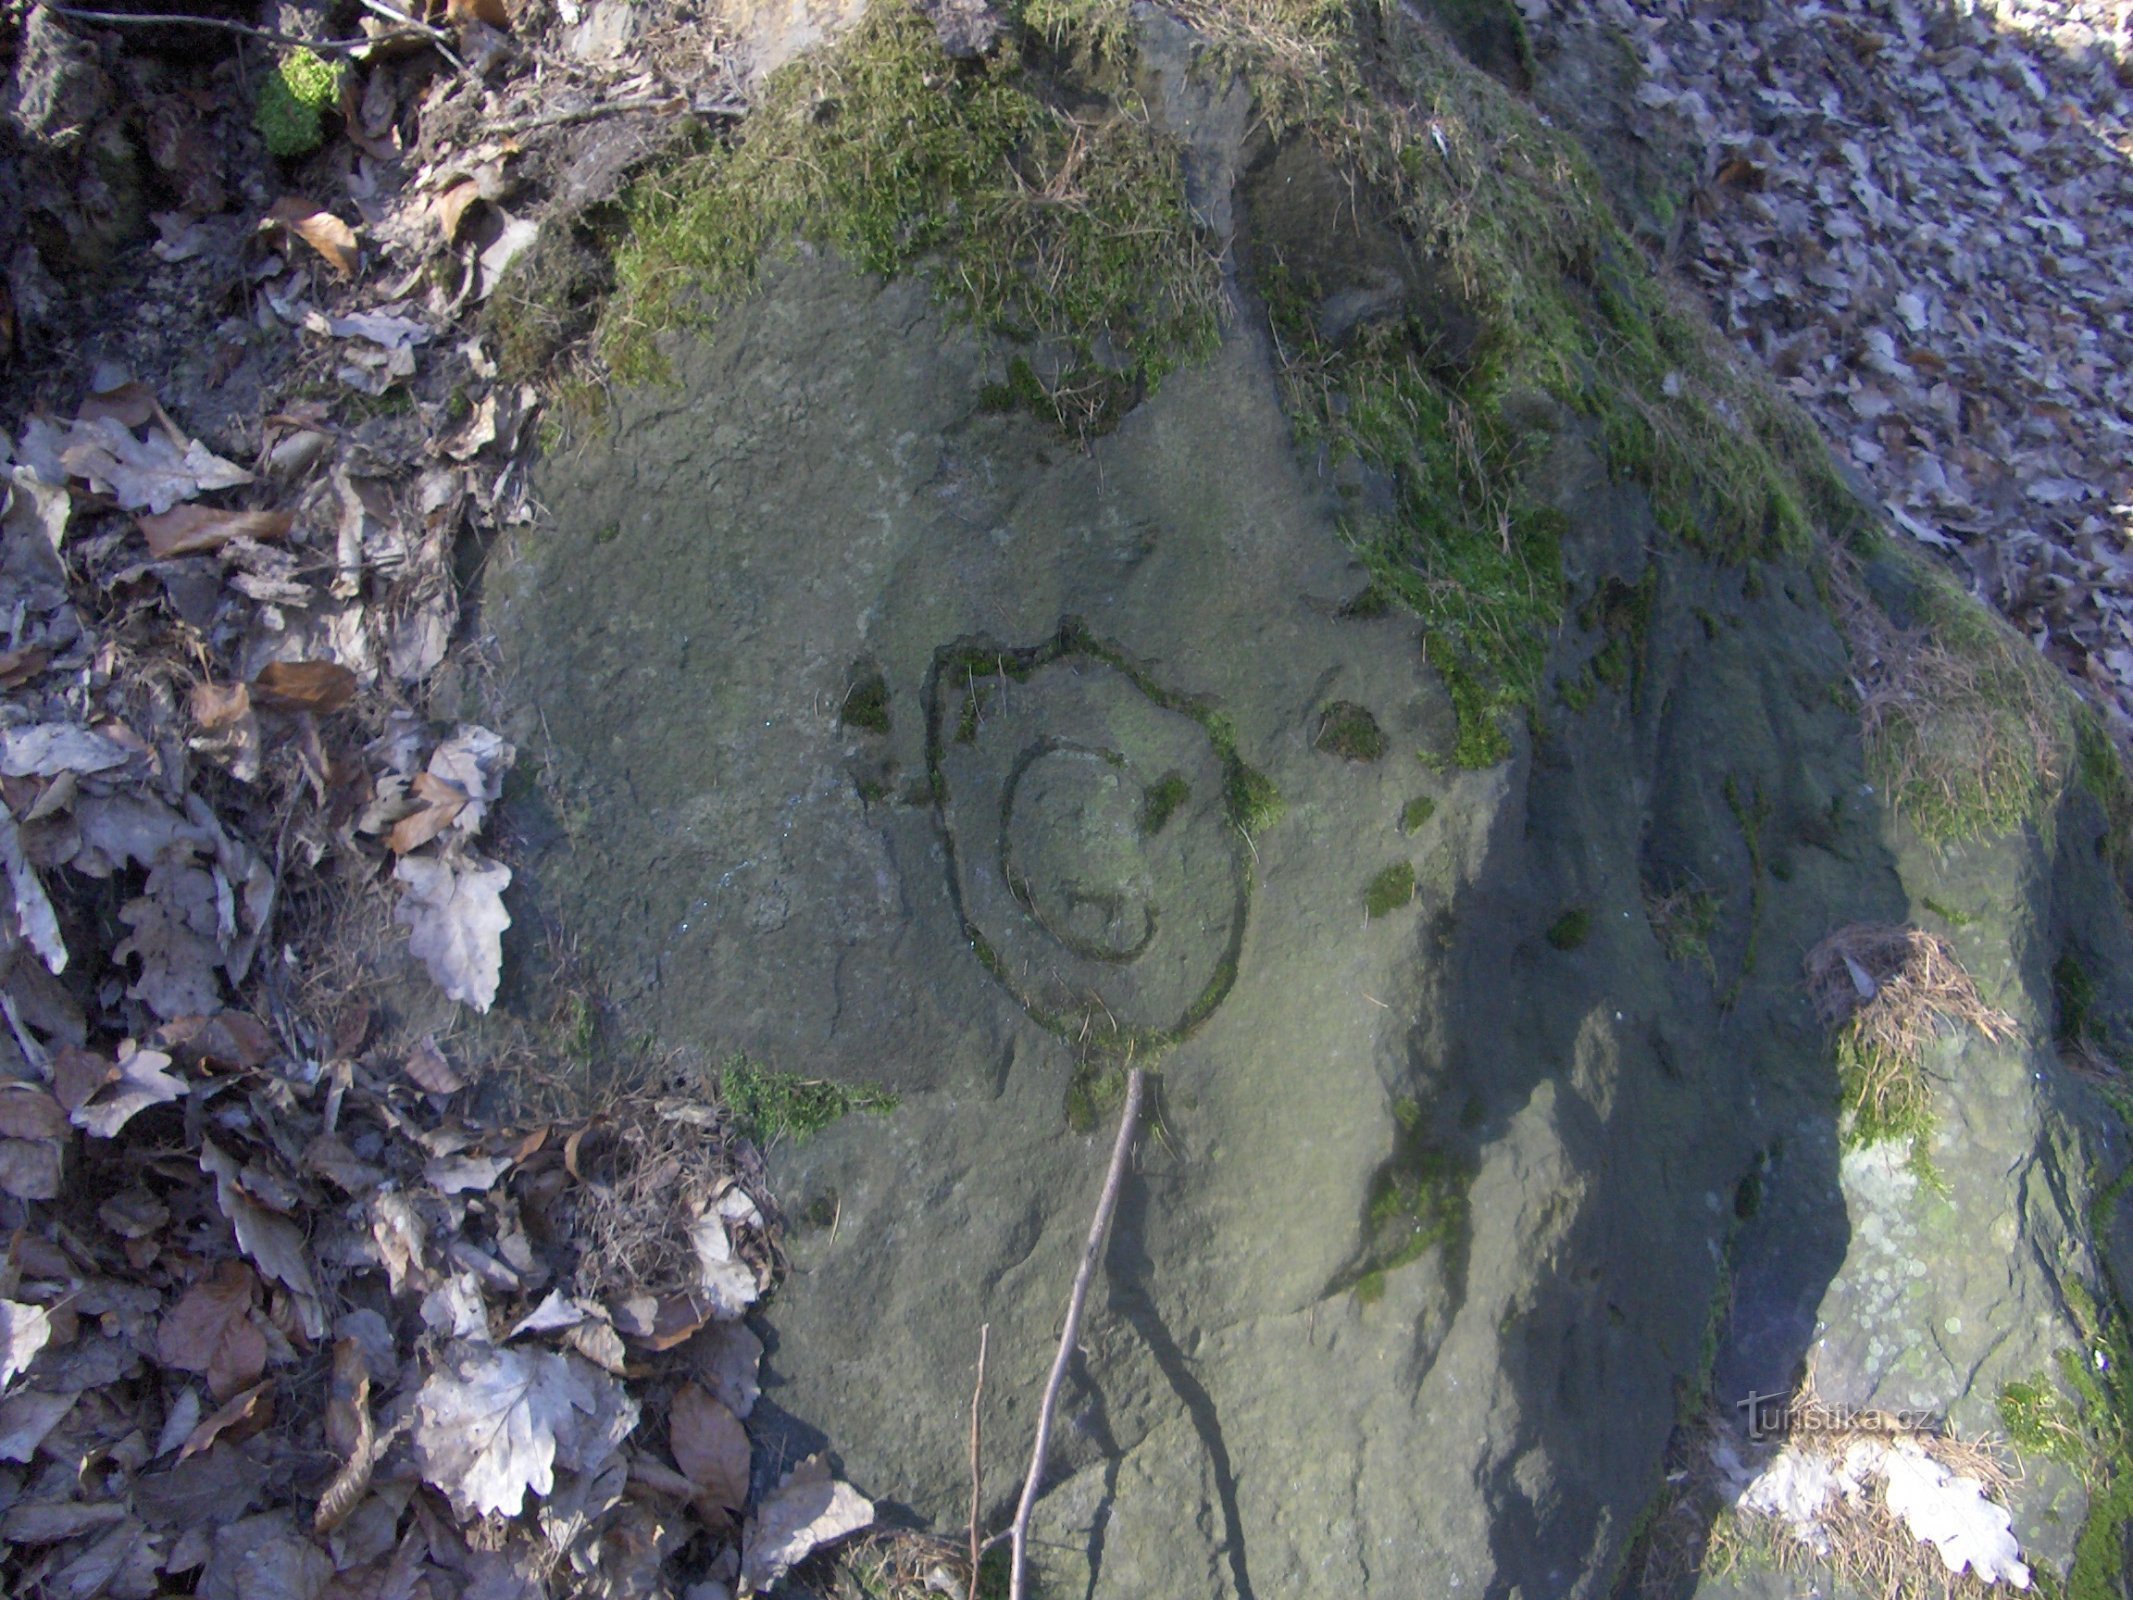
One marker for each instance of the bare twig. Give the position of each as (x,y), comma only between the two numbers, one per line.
(977,1480)
(676,103)
(1128,1124)
(436,36)
(340,47)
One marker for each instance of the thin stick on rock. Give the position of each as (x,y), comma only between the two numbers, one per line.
(977,1481)
(1128,1124)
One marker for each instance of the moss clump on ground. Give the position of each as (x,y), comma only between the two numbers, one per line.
(866,704)
(292,97)
(1416,812)
(768,1106)
(1054,220)
(1571,929)
(1390,890)
(1161,801)
(1347,730)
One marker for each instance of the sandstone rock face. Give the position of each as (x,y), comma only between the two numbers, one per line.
(890,738)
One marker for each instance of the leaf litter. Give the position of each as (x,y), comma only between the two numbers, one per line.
(1917,217)
(325,1319)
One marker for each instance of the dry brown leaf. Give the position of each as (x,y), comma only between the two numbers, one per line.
(24,1330)
(138,1083)
(17,667)
(27,1112)
(453,205)
(348,1435)
(427,1066)
(26,1418)
(275,1244)
(315,686)
(145,475)
(807,1510)
(210,1331)
(240,1417)
(320,229)
(175,931)
(77,1074)
(229,729)
(30,1169)
(710,1446)
(190,529)
(442,803)
(231,1040)
(492,12)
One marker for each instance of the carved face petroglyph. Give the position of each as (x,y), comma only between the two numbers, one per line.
(1100,877)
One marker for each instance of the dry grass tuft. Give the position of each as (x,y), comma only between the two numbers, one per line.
(1888,991)
(1962,721)
(647,1169)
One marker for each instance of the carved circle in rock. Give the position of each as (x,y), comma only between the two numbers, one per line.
(1090,849)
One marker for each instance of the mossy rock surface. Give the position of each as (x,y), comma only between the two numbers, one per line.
(1455,1182)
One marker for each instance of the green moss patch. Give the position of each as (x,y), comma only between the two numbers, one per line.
(768,1106)
(866,704)
(1161,801)
(1347,730)
(1053,218)
(1571,929)
(1418,1203)
(292,98)
(1416,812)
(1390,890)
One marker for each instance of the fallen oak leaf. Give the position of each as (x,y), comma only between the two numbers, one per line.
(152,474)
(453,909)
(30,1169)
(442,802)
(430,1071)
(26,1418)
(191,529)
(315,686)
(17,667)
(28,1112)
(320,229)
(486,1425)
